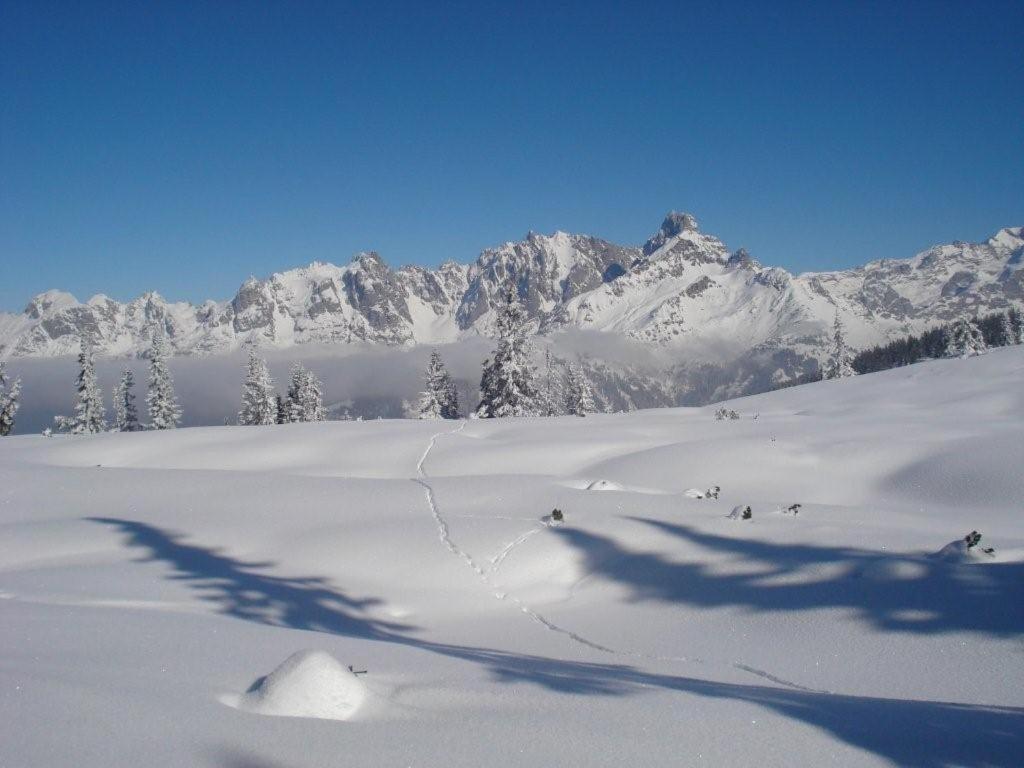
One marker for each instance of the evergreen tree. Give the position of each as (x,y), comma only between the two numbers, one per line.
(258,403)
(164,411)
(1010,326)
(126,416)
(439,400)
(89,411)
(305,401)
(579,400)
(282,410)
(964,339)
(553,397)
(506,385)
(10,401)
(840,363)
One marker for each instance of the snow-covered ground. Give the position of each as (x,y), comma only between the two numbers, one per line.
(156,589)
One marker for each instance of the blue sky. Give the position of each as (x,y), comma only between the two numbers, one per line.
(184,146)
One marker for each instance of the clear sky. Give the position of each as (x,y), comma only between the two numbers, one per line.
(184,146)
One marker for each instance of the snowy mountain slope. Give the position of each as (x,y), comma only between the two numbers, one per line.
(681,289)
(711,324)
(149,580)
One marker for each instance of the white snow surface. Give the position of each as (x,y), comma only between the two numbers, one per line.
(147,579)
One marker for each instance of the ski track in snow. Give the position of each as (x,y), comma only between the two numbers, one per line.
(444,534)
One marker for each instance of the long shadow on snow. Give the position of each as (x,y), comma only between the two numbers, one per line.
(245,590)
(895,592)
(921,734)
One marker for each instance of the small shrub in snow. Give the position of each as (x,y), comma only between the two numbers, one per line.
(742,512)
(973,539)
(792,509)
(723,414)
(556,515)
(710,493)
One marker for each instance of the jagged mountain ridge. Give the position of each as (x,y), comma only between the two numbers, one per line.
(682,291)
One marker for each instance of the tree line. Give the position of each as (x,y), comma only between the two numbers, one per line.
(510,385)
(962,338)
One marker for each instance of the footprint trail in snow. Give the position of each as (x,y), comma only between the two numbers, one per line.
(444,534)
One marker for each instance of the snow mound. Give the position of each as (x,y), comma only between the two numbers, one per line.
(960,551)
(307,684)
(604,485)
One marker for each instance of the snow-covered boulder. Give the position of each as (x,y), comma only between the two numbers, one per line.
(307,684)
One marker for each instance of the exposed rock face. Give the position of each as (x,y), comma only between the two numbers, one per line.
(681,291)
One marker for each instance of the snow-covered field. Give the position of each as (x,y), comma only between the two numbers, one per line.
(152,585)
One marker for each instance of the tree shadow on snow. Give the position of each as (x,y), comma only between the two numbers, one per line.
(917,734)
(247,591)
(920,734)
(894,592)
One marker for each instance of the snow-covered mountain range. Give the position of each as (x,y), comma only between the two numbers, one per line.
(682,292)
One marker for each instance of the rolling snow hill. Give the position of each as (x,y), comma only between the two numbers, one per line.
(195,598)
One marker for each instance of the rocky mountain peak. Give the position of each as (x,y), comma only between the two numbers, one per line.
(674,225)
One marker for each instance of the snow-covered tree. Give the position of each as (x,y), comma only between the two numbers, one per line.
(840,361)
(259,406)
(282,409)
(553,392)
(579,401)
(10,401)
(126,415)
(1010,325)
(305,401)
(439,400)
(964,339)
(506,386)
(89,415)
(164,411)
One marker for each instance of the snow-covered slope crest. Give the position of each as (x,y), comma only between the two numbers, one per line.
(682,289)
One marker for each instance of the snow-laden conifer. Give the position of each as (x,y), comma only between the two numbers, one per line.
(126,415)
(964,339)
(259,405)
(164,411)
(439,399)
(553,391)
(305,401)
(579,400)
(1010,325)
(89,415)
(840,362)
(10,401)
(506,385)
